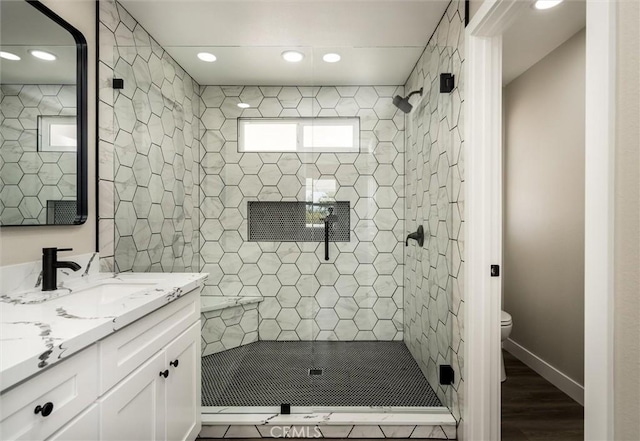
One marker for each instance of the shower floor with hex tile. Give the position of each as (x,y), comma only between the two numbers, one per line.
(270,373)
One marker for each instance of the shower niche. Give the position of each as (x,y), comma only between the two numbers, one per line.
(298,221)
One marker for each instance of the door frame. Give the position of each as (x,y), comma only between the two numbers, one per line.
(483,217)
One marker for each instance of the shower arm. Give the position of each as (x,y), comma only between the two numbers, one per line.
(415,92)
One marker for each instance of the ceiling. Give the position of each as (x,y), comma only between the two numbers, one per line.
(23,27)
(379,41)
(537,33)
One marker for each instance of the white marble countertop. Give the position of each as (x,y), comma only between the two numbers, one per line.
(38,329)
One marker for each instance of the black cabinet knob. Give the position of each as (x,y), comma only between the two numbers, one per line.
(45,410)
(174,363)
(164,373)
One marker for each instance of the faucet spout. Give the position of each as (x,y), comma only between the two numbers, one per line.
(69,265)
(50,266)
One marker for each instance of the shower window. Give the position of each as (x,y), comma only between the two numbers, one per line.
(340,135)
(318,191)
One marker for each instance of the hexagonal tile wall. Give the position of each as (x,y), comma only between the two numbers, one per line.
(434,176)
(29,177)
(149,135)
(306,296)
(229,328)
(178,140)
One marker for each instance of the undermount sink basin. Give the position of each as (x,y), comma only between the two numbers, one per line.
(109,291)
(102,292)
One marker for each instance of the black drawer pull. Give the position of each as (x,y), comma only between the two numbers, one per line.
(164,373)
(174,363)
(45,410)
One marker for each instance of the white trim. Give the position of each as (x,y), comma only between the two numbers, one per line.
(483,216)
(481,413)
(554,376)
(599,225)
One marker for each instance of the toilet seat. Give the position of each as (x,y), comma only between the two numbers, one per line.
(505,319)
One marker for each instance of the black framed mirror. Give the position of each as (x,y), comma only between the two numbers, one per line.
(43,117)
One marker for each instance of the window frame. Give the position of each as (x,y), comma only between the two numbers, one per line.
(302,122)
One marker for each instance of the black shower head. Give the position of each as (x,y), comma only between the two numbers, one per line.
(403,103)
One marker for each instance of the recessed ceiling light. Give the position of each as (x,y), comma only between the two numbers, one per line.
(206,56)
(9,56)
(244,105)
(43,55)
(546,4)
(292,56)
(331,58)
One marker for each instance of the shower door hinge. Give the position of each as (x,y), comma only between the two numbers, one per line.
(447,374)
(495,270)
(447,82)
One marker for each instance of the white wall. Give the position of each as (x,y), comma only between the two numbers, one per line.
(627,226)
(544,207)
(24,244)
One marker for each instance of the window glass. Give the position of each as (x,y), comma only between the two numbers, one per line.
(340,135)
(269,137)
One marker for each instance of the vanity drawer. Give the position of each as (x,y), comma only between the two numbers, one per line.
(122,352)
(71,386)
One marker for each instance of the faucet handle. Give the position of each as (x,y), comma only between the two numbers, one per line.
(54,250)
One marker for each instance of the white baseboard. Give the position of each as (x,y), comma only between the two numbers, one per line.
(545,370)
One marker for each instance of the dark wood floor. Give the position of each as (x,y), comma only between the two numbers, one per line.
(535,410)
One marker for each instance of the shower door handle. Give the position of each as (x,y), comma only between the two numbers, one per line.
(326,239)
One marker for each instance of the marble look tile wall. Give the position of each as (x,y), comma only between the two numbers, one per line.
(357,295)
(433,302)
(28,178)
(229,328)
(149,152)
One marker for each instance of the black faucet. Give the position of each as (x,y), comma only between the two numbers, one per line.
(417,236)
(50,267)
(328,224)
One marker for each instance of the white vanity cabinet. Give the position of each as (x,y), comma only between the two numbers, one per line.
(84,427)
(142,382)
(41,405)
(136,408)
(160,399)
(183,385)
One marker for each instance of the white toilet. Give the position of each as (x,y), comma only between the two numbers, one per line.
(506,324)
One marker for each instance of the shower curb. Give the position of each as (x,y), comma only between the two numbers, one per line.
(439,425)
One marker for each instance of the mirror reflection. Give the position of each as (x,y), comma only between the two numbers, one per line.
(38,118)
